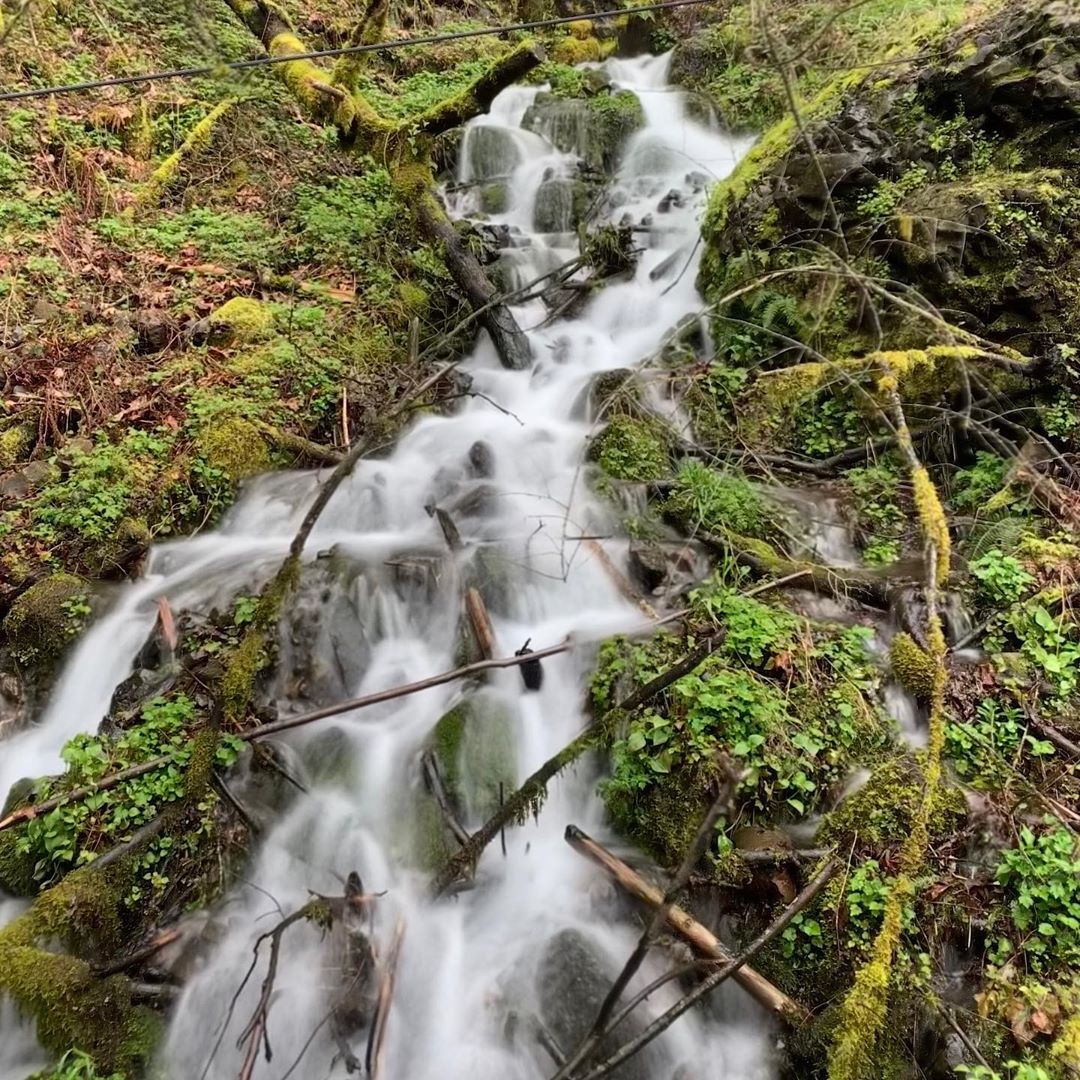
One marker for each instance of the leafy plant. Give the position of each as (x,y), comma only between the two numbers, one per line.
(753,631)
(982,749)
(75,1065)
(1049,643)
(1002,578)
(802,936)
(865,897)
(715,501)
(1041,878)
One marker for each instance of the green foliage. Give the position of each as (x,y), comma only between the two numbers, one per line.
(45,618)
(754,631)
(1019,1070)
(75,833)
(348,221)
(101,488)
(874,493)
(829,424)
(865,894)
(887,197)
(705,498)
(1002,578)
(75,1065)
(802,937)
(974,486)
(1041,878)
(982,749)
(1049,642)
(633,450)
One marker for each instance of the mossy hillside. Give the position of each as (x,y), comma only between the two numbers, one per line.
(299,263)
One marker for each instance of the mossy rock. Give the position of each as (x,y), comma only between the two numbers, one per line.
(16,441)
(882,812)
(428,842)
(664,818)
(474,746)
(235,447)
(44,619)
(573,50)
(914,669)
(595,128)
(239,321)
(633,450)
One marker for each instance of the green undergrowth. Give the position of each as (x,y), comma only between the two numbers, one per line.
(790,701)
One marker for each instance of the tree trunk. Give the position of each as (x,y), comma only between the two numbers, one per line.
(495,317)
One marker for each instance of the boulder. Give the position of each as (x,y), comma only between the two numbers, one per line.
(572,980)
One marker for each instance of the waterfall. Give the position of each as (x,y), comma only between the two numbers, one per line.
(477,969)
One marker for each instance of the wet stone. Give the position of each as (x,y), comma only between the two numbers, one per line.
(491,153)
(572,981)
(482,460)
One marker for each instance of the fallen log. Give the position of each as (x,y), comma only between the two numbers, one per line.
(377,1036)
(730,969)
(698,936)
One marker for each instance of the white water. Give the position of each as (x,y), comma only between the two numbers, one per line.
(467,963)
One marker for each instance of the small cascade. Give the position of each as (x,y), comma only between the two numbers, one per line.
(380,605)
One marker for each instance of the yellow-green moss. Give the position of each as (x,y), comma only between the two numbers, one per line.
(198,139)
(240,320)
(632,449)
(913,669)
(575,50)
(882,812)
(16,442)
(235,447)
(41,622)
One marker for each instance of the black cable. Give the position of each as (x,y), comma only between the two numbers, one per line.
(347,50)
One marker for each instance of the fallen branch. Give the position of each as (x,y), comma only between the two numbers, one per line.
(733,968)
(699,937)
(618,578)
(377,1035)
(167,937)
(704,836)
(532,790)
(434,782)
(303,448)
(480,621)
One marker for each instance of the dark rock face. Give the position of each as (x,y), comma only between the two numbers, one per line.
(959,176)
(661,568)
(571,982)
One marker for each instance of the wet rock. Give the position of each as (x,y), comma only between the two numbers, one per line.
(474,745)
(266,780)
(480,502)
(418,575)
(495,236)
(595,129)
(329,758)
(491,153)
(492,571)
(325,645)
(494,198)
(572,979)
(155,330)
(661,568)
(26,480)
(44,619)
(561,204)
(482,460)
(674,198)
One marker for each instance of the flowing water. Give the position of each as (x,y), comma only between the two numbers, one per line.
(470,964)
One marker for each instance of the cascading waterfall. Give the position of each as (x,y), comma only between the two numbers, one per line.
(476,969)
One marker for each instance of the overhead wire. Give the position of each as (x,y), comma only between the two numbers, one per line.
(345,50)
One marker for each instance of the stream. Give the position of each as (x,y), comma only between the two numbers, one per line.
(479,969)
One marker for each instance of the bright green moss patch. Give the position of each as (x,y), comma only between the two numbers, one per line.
(633,450)
(240,320)
(44,620)
(705,498)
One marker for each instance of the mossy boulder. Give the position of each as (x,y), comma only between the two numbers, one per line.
(240,320)
(595,128)
(235,447)
(16,441)
(632,449)
(561,204)
(882,812)
(45,618)
(913,668)
(474,746)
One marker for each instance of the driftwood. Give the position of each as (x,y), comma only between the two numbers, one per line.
(434,782)
(698,936)
(480,621)
(731,969)
(152,948)
(703,837)
(377,1035)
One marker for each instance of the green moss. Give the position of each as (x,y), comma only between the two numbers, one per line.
(913,668)
(240,320)
(16,441)
(882,812)
(235,447)
(632,449)
(613,118)
(573,50)
(474,746)
(718,502)
(45,618)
